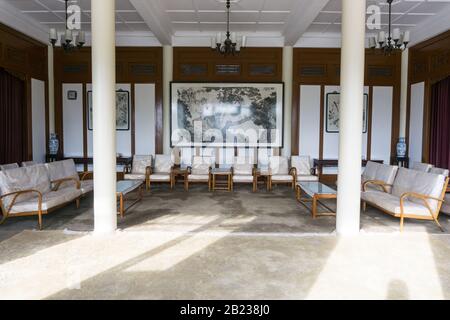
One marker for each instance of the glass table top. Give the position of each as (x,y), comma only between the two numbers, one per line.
(316,188)
(127,186)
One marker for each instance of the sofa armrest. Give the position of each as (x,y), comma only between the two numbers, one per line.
(16,195)
(313,171)
(189,170)
(378,183)
(84,175)
(293,172)
(58,183)
(148,171)
(422,197)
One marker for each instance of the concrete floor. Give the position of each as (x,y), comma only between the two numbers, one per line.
(198,245)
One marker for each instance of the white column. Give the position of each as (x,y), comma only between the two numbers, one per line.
(104,115)
(288,56)
(404,93)
(51,91)
(351,116)
(167,78)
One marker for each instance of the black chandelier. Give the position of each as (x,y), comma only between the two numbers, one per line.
(69,40)
(231,45)
(392,41)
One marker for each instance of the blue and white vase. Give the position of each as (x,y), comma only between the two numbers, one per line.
(401,148)
(53,144)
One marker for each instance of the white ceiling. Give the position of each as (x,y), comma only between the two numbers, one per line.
(171,20)
(406,14)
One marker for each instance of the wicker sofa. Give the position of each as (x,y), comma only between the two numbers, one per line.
(413,195)
(29,191)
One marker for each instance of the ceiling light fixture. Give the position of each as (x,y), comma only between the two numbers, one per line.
(69,40)
(231,45)
(392,41)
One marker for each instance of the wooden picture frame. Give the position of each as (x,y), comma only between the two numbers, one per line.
(332,112)
(225,115)
(122,110)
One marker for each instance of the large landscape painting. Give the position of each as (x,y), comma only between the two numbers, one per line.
(227,115)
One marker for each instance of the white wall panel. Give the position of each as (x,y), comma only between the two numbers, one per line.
(38,120)
(416,122)
(73,121)
(382,123)
(145,118)
(309,140)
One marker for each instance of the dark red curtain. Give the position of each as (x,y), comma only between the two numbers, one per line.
(12,114)
(440,124)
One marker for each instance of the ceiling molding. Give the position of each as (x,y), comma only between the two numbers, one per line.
(15,19)
(301,18)
(156,19)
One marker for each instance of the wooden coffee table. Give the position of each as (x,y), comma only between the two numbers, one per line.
(315,192)
(222,184)
(123,189)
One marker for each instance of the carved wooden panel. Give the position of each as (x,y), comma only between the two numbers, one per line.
(191,69)
(262,69)
(313,71)
(228,69)
(142,69)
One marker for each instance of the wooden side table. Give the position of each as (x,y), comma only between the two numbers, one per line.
(222,184)
(181,172)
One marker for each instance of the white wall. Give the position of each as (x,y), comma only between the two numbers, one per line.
(382,123)
(144,121)
(73,121)
(416,122)
(145,118)
(309,140)
(38,120)
(309,131)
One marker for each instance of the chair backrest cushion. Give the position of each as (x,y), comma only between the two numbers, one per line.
(140,163)
(163,163)
(302,164)
(201,165)
(28,163)
(243,166)
(443,172)
(279,165)
(419,182)
(21,179)
(423,167)
(380,172)
(9,166)
(62,170)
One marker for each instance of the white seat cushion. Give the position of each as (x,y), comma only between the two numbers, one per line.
(419,182)
(140,163)
(132,176)
(379,172)
(443,172)
(302,164)
(49,201)
(279,165)
(422,167)
(163,164)
(160,177)
(25,178)
(243,178)
(63,170)
(9,166)
(307,178)
(87,186)
(198,177)
(201,165)
(392,204)
(242,166)
(282,177)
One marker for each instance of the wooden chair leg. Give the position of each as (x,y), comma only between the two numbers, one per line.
(439,225)
(40,220)
(78,203)
(402,219)
(364,206)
